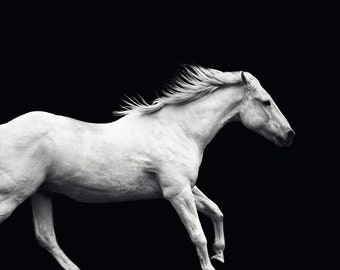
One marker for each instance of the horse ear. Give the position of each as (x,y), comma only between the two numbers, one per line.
(244,78)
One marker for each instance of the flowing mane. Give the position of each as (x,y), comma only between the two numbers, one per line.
(191,83)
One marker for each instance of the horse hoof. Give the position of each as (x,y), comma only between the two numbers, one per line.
(218,257)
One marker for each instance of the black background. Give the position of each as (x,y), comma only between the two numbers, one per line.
(80,61)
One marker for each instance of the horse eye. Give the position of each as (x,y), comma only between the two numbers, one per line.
(266,102)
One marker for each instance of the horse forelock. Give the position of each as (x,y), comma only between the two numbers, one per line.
(191,82)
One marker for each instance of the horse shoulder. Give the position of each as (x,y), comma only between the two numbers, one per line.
(177,159)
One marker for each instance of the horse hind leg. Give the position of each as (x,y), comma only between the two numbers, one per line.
(10,198)
(44,230)
(7,206)
(16,186)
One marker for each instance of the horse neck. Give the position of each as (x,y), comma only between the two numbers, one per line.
(203,118)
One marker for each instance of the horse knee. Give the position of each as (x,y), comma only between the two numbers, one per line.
(219,245)
(217,213)
(199,239)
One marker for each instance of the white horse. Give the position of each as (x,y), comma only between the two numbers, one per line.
(153,151)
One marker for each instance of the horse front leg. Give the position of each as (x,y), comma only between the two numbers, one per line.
(210,209)
(44,229)
(184,204)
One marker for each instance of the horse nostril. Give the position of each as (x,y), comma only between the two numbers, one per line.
(290,134)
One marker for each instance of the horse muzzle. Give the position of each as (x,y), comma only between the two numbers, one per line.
(285,140)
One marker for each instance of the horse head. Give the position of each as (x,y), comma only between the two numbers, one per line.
(259,113)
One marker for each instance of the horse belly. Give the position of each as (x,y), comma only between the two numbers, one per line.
(103,189)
